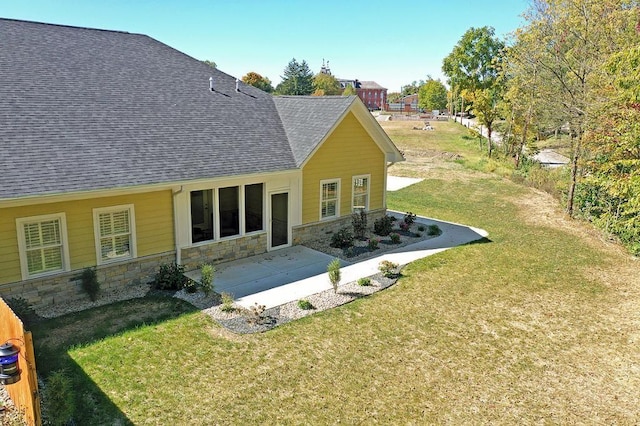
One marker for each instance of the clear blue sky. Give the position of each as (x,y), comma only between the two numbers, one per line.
(392,42)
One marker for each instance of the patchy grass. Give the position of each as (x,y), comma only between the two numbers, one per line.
(537,324)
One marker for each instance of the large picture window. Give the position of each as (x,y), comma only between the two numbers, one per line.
(42,242)
(329,198)
(360,193)
(115,233)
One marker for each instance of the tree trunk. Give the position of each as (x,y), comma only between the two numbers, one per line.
(489,140)
(574,175)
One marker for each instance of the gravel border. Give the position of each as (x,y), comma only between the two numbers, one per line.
(244,321)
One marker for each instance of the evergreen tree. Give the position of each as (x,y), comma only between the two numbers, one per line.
(297,79)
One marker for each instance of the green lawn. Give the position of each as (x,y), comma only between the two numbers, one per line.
(539,324)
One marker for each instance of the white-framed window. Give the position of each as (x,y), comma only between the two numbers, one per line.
(115,234)
(43,246)
(360,192)
(329,198)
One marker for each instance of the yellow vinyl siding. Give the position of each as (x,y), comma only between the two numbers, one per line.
(347,152)
(154,228)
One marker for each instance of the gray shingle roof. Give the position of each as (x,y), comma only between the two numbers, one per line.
(84,109)
(308,119)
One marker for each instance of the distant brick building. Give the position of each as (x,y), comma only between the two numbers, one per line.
(370,93)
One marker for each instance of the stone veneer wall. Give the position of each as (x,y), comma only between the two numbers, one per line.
(223,251)
(67,287)
(319,230)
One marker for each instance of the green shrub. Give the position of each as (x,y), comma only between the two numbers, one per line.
(373,243)
(433,230)
(58,399)
(364,281)
(206,282)
(388,268)
(333,269)
(384,225)
(421,228)
(395,238)
(23,310)
(342,239)
(349,251)
(305,304)
(170,277)
(359,222)
(227,303)
(409,218)
(90,283)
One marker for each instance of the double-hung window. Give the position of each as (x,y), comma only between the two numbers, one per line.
(114,233)
(42,242)
(329,198)
(360,193)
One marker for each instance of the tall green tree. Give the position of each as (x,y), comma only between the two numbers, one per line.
(210,63)
(471,65)
(432,95)
(256,80)
(297,79)
(326,85)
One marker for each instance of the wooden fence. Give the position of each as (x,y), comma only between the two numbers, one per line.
(23,393)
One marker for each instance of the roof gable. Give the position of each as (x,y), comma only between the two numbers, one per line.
(309,120)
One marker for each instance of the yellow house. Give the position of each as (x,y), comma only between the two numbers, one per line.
(123,154)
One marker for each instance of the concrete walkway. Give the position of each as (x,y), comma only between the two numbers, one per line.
(293,273)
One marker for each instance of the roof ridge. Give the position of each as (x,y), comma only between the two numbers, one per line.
(70,26)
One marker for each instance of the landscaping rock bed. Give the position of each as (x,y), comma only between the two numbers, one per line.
(244,321)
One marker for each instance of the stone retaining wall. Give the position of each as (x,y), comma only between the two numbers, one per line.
(223,251)
(67,287)
(319,230)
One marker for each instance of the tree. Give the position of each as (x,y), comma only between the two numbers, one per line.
(486,111)
(349,91)
(297,79)
(326,85)
(432,95)
(573,39)
(210,63)
(412,88)
(256,80)
(471,64)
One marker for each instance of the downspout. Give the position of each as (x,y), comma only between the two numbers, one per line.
(176,228)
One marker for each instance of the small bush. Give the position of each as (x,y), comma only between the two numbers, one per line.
(409,218)
(305,305)
(433,230)
(395,238)
(384,225)
(90,284)
(23,310)
(227,303)
(364,281)
(206,282)
(349,252)
(373,243)
(170,277)
(333,269)
(58,399)
(359,222)
(388,268)
(256,314)
(342,239)
(404,226)
(421,228)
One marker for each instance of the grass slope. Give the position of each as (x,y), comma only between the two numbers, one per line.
(538,324)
